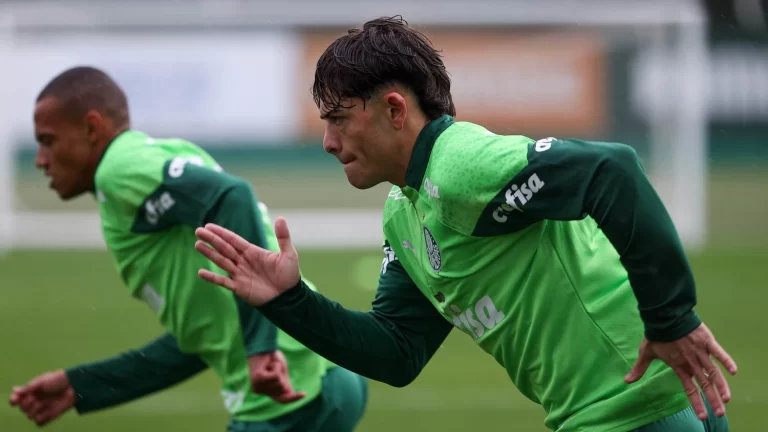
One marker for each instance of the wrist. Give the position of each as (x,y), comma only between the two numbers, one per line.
(62,377)
(668,332)
(286,297)
(70,396)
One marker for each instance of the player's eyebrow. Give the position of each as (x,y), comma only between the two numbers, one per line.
(324,116)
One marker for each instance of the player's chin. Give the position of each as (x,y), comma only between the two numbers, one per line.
(66,194)
(358,177)
(62,193)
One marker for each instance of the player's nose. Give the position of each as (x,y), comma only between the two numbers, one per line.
(331,144)
(41,159)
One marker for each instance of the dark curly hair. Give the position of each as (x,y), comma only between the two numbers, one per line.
(385,51)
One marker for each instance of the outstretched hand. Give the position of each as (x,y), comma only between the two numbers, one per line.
(256,275)
(691,358)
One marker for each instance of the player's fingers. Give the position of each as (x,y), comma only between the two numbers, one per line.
(38,406)
(41,419)
(34,392)
(722,356)
(716,377)
(266,375)
(284,236)
(217,242)
(28,404)
(290,397)
(271,383)
(714,374)
(238,243)
(217,279)
(220,260)
(692,391)
(30,408)
(712,382)
(16,394)
(710,392)
(46,416)
(15,400)
(21,398)
(22,391)
(268,382)
(273,388)
(641,365)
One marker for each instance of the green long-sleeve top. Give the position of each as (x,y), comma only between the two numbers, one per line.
(556,256)
(152,195)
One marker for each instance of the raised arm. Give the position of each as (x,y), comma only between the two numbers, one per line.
(390,343)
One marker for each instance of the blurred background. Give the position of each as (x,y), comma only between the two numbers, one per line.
(684,82)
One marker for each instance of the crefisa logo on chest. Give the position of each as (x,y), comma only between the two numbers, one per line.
(433,250)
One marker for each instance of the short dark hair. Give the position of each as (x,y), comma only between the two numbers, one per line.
(85,88)
(385,51)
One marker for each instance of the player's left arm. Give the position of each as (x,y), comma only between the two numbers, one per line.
(131,375)
(572,179)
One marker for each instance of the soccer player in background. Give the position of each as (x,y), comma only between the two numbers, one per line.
(555,255)
(151,195)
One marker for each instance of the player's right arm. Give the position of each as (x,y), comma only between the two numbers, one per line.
(131,375)
(391,343)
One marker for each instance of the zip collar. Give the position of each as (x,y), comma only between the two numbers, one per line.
(422,150)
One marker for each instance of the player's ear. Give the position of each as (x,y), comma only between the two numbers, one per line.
(396,108)
(94,125)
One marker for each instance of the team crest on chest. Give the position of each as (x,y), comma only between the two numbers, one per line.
(433,250)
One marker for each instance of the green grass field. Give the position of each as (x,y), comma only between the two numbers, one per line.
(60,308)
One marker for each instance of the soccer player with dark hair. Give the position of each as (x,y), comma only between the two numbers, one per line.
(152,194)
(556,256)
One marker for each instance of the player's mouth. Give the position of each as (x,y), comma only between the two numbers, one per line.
(347,165)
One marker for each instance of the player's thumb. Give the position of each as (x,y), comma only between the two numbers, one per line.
(284,236)
(641,365)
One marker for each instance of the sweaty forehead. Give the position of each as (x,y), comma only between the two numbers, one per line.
(330,110)
(347,106)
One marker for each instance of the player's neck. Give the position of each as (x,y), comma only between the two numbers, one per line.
(399,171)
(408,138)
(100,150)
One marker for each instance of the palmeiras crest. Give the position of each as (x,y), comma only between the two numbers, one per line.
(433,250)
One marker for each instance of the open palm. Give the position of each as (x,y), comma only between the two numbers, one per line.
(256,275)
